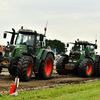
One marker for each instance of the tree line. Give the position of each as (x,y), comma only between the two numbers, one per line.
(60,46)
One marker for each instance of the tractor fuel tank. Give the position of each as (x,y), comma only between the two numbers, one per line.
(71,65)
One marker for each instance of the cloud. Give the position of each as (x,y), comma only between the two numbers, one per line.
(67,19)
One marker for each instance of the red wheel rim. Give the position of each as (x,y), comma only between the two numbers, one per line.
(89,68)
(29,69)
(48,67)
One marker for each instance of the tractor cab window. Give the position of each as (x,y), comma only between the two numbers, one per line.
(40,43)
(92,47)
(76,47)
(25,39)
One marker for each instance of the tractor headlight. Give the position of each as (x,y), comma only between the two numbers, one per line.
(74,61)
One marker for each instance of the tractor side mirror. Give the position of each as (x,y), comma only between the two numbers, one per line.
(95,46)
(5,35)
(67,45)
(41,38)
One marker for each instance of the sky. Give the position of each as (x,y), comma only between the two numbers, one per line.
(67,19)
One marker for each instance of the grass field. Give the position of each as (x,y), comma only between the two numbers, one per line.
(84,91)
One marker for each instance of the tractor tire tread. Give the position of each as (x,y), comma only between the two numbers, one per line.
(82,67)
(22,68)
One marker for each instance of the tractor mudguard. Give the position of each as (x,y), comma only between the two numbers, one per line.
(65,56)
(90,58)
(29,55)
(42,58)
(45,52)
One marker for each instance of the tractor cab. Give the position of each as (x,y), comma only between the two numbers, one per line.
(81,48)
(33,40)
(26,41)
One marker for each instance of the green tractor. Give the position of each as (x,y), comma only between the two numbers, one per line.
(81,60)
(26,54)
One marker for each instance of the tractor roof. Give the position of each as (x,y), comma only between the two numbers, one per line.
(28,31)
(84,43)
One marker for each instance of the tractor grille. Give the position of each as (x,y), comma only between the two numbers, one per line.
(8,50)
(74,55)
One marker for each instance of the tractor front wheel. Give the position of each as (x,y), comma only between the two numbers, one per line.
(60,66)
(24,68)
(46,68)
(86,68)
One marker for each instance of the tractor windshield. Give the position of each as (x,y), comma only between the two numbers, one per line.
(25,39)
(78,47)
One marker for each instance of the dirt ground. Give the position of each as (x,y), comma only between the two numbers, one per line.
(6,80)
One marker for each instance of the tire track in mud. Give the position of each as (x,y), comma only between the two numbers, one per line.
(56,80)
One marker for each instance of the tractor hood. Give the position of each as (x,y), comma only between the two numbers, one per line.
(8,49)
(76,56)
(18,50)
(21,47)
(15,50)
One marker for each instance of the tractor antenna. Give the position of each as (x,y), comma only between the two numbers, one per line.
(45,28)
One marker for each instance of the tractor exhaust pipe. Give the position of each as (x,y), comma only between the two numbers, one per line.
(13,36)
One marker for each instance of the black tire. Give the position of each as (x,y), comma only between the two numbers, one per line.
(97,69)
(62,72)
(37,75)
(25,68)
(86,68)
(12,71)
(60,65)
(0,70)
(46,68)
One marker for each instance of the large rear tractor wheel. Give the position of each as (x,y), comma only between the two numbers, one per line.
(46,68)
(86,68)
(24,68)
(60,65)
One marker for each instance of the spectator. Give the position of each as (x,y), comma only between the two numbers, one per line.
(86,50)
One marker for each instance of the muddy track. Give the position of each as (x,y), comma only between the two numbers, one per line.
(6,80)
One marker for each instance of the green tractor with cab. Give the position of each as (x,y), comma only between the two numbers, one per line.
(82,60)
(26,53)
